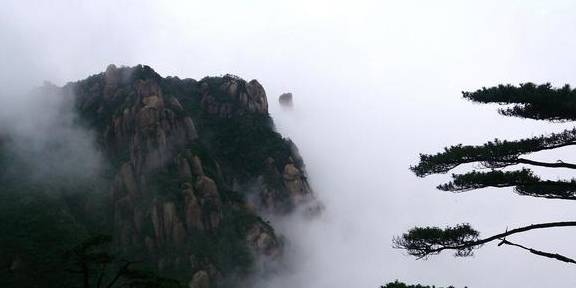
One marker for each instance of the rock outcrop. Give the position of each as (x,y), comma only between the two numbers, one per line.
(229,96)
(285,100)
(194,163)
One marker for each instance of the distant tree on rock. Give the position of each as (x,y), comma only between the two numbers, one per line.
(539,102)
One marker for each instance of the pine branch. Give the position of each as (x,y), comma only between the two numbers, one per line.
(423,242)
(495,178)
(495,154)
(540,102)
(501,163)
(558,164)
(523,181)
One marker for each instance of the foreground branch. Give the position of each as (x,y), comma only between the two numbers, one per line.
(423,242)
(540,102)
(495,154)
(557,164)
(524,182)
(555,256)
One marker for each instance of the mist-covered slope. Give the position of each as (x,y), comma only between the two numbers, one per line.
(189,170)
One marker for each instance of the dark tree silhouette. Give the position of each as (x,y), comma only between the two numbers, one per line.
(98,268)
(539,102)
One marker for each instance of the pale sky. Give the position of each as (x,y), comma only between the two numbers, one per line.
(375,83)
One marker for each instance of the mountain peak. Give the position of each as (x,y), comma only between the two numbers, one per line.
(192,165)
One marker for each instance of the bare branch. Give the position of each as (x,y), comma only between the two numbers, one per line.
(555,256)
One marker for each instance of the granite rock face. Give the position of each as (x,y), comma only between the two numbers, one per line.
(194,165)
(230,96)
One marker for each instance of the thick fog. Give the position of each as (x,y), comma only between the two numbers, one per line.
(39,126)
(41,129)
(375,83)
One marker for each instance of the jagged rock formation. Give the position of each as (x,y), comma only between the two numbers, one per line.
(232,96)
(186,156)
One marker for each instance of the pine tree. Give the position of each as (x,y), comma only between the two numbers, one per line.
(539,102)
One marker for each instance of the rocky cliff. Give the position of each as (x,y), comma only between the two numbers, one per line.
(192,170)
(194,165)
